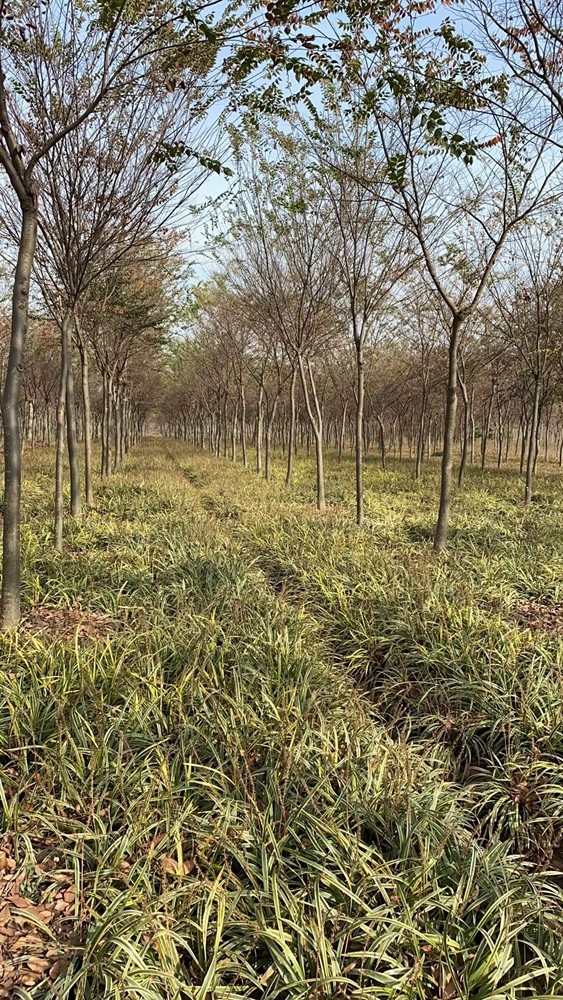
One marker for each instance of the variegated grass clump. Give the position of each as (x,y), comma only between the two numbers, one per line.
(307,761)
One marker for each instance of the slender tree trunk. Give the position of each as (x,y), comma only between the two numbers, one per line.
(234,434)
(546,445)
(225,432)
(122,426)
(524,443)
(11,552)
(315,425)
(465,433)
(243,426)
(217,434)
(382,443)
(360,396)
(487,427)
(532,444)
(118,425)
(500,435)
(269,425)
(537,441)
(472,420)
(66,337)
(59,454)
(320,471)
(318,432)
(259,426)
(103,423)
(420,440)
(342,435)
(291,441)
(127,427)
(111,425)
(30,430)
(105,428)
(441,534)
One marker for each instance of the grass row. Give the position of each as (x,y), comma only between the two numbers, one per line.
(238,815)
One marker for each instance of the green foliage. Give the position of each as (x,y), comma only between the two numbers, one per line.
(173,155)
(308,761)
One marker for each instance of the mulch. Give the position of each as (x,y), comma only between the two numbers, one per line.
(539,616)
(66,623)
(35,933)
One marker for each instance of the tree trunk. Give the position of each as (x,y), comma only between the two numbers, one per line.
(234,434)
(85,372)
(225,430)
(31,424)
(11,552)
(472,421)
(259,425)
(342,435)
(270,417)
(66,337)
(532,444)
(360,395)
(441,534)
(123,426)
(59,453)
(217,434)
(243,426)
(316,425)
(487,426)
(547,424)
(105,428)
(500,435)
(320,471)
(291,441)
(465,433)
(382,443)
(118,429)
(524,445)
(420,441)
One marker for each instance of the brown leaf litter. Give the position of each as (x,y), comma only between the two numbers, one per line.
(67,622)
(539,616)
(35,936)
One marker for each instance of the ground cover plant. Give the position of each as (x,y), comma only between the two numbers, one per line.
(281,617)
(252,750)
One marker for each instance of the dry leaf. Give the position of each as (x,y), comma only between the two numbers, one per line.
(172,866)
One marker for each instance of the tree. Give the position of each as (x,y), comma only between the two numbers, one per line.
(282,258)
(126,313)
(529,321)
(370,251)
(61,64)
(107,191)
(462,217)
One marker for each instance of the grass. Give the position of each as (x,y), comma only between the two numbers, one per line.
(299,760)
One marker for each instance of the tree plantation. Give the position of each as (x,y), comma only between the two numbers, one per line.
(281,358)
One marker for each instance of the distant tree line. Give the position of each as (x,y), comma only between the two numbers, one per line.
(390,246)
